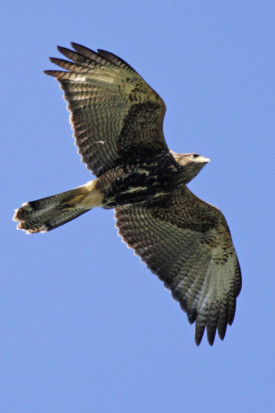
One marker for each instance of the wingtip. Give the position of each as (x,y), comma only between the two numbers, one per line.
(198,339)
(59,48)
(74,45)
(78,46)
(211,338)
(53,73)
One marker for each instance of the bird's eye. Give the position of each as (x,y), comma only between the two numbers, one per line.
(195,155)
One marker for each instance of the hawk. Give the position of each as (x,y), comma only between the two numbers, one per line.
(117,120)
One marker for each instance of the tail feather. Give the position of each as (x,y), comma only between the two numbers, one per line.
(48,213)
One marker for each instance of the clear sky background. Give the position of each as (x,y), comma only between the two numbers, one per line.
(84,326)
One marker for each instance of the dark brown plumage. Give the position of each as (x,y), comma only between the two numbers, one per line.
(114,112)
(117,120)
(187,243)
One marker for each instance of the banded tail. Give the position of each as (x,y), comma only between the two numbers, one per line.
(48,213)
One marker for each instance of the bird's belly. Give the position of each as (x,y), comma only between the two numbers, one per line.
(138,187)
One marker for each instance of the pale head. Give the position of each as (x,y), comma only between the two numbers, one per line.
(191,163)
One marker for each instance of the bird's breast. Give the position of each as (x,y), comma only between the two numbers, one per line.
(139,182)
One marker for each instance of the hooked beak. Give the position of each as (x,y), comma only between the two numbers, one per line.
(202,159)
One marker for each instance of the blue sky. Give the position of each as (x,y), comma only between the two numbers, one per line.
(84,326)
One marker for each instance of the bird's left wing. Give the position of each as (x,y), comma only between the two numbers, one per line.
(187,243)
(115,114)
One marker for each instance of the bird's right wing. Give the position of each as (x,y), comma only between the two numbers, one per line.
(187,243)
(115,114)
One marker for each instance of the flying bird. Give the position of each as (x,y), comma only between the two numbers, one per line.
(117,119)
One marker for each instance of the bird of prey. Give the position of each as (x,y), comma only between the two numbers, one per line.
(117,120)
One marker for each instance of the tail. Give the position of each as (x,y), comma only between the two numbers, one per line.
(48,213)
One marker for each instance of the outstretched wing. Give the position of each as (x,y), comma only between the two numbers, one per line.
(114,113)
(187,243)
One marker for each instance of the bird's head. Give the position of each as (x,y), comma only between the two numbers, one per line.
(191,163)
